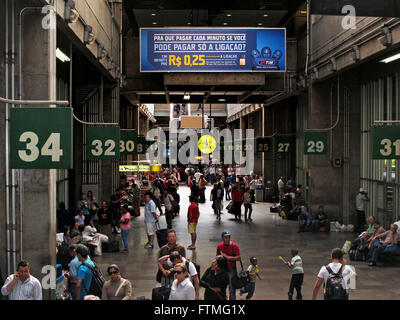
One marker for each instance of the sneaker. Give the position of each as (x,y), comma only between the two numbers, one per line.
(372,264)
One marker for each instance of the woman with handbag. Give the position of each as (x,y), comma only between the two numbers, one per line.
(216,279)
(117,288)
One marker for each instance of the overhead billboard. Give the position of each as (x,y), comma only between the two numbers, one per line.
(212,49)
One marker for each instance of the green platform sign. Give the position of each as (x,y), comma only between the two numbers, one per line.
(41,138)
(284,144)
(315,143)
(102,143)
(263,144)
(128,142)
(385,142)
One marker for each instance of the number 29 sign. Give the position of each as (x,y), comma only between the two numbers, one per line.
(41,138)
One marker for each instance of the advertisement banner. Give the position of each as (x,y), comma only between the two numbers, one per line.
(212,49)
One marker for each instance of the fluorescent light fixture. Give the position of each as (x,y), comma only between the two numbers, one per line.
(153,14)
(260,24)
(221,100)
(62,56)
(229,15)
(392,58)
(225,23)
(186,96)
(154,22)
(265,15)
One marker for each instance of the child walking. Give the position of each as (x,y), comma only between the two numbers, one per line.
(297,274)
(254,273)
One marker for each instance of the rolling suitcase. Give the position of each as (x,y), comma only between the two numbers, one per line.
(161,235)
(160,293)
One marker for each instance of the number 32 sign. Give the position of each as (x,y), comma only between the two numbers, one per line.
(103,143)
(41,138)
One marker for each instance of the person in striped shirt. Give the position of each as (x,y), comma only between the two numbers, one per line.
(297,274)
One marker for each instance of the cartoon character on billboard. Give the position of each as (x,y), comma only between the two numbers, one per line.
(266,60)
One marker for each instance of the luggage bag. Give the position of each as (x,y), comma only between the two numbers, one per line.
(160,293)
(161,235)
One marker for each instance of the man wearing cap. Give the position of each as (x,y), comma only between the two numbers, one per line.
(360,207)
(231,252)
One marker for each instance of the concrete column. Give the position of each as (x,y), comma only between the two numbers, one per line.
(39,224)
(106,165)
(325,182)
(269,129)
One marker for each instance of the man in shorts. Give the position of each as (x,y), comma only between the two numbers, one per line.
(150,218)
(193,217)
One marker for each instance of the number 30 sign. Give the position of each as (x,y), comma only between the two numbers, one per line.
(41,138)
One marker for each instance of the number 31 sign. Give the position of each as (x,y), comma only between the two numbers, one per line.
(41,138)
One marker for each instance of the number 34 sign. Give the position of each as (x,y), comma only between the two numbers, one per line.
(41,138)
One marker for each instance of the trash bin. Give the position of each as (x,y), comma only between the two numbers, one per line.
(269,192)
(259,195)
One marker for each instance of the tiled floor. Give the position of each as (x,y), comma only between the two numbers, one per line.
(267,237)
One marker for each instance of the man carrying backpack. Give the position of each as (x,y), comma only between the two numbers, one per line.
(335,277)
(90,281)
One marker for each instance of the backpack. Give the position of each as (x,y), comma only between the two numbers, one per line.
(97,283)
(195,265)
(334,286)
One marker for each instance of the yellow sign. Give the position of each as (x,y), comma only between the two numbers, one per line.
(207,144)
(143,168)
(156,168)
(127,168)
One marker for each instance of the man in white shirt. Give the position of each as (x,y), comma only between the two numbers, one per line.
(361,198)
(175,258)
(281,188)
(197,176)
(338,263)
(21,285)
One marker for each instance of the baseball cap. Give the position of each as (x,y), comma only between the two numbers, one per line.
(225,234)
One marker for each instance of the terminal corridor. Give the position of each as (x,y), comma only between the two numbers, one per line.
(267,238)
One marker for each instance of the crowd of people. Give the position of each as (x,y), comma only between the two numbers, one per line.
(180,278)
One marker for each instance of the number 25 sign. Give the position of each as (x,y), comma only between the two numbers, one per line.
(41,138)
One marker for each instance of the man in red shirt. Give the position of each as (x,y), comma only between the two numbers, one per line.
(193,217)
(237,198)
(231,252)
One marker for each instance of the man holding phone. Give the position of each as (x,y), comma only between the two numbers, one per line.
(21,285)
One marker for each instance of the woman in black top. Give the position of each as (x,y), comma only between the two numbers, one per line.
(216,279)
(104,216)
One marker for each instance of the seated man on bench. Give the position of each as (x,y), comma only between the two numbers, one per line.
(388,245)
(322,220)
(306,222)
(363,239)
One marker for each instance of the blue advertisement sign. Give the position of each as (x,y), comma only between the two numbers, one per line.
(212,49)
